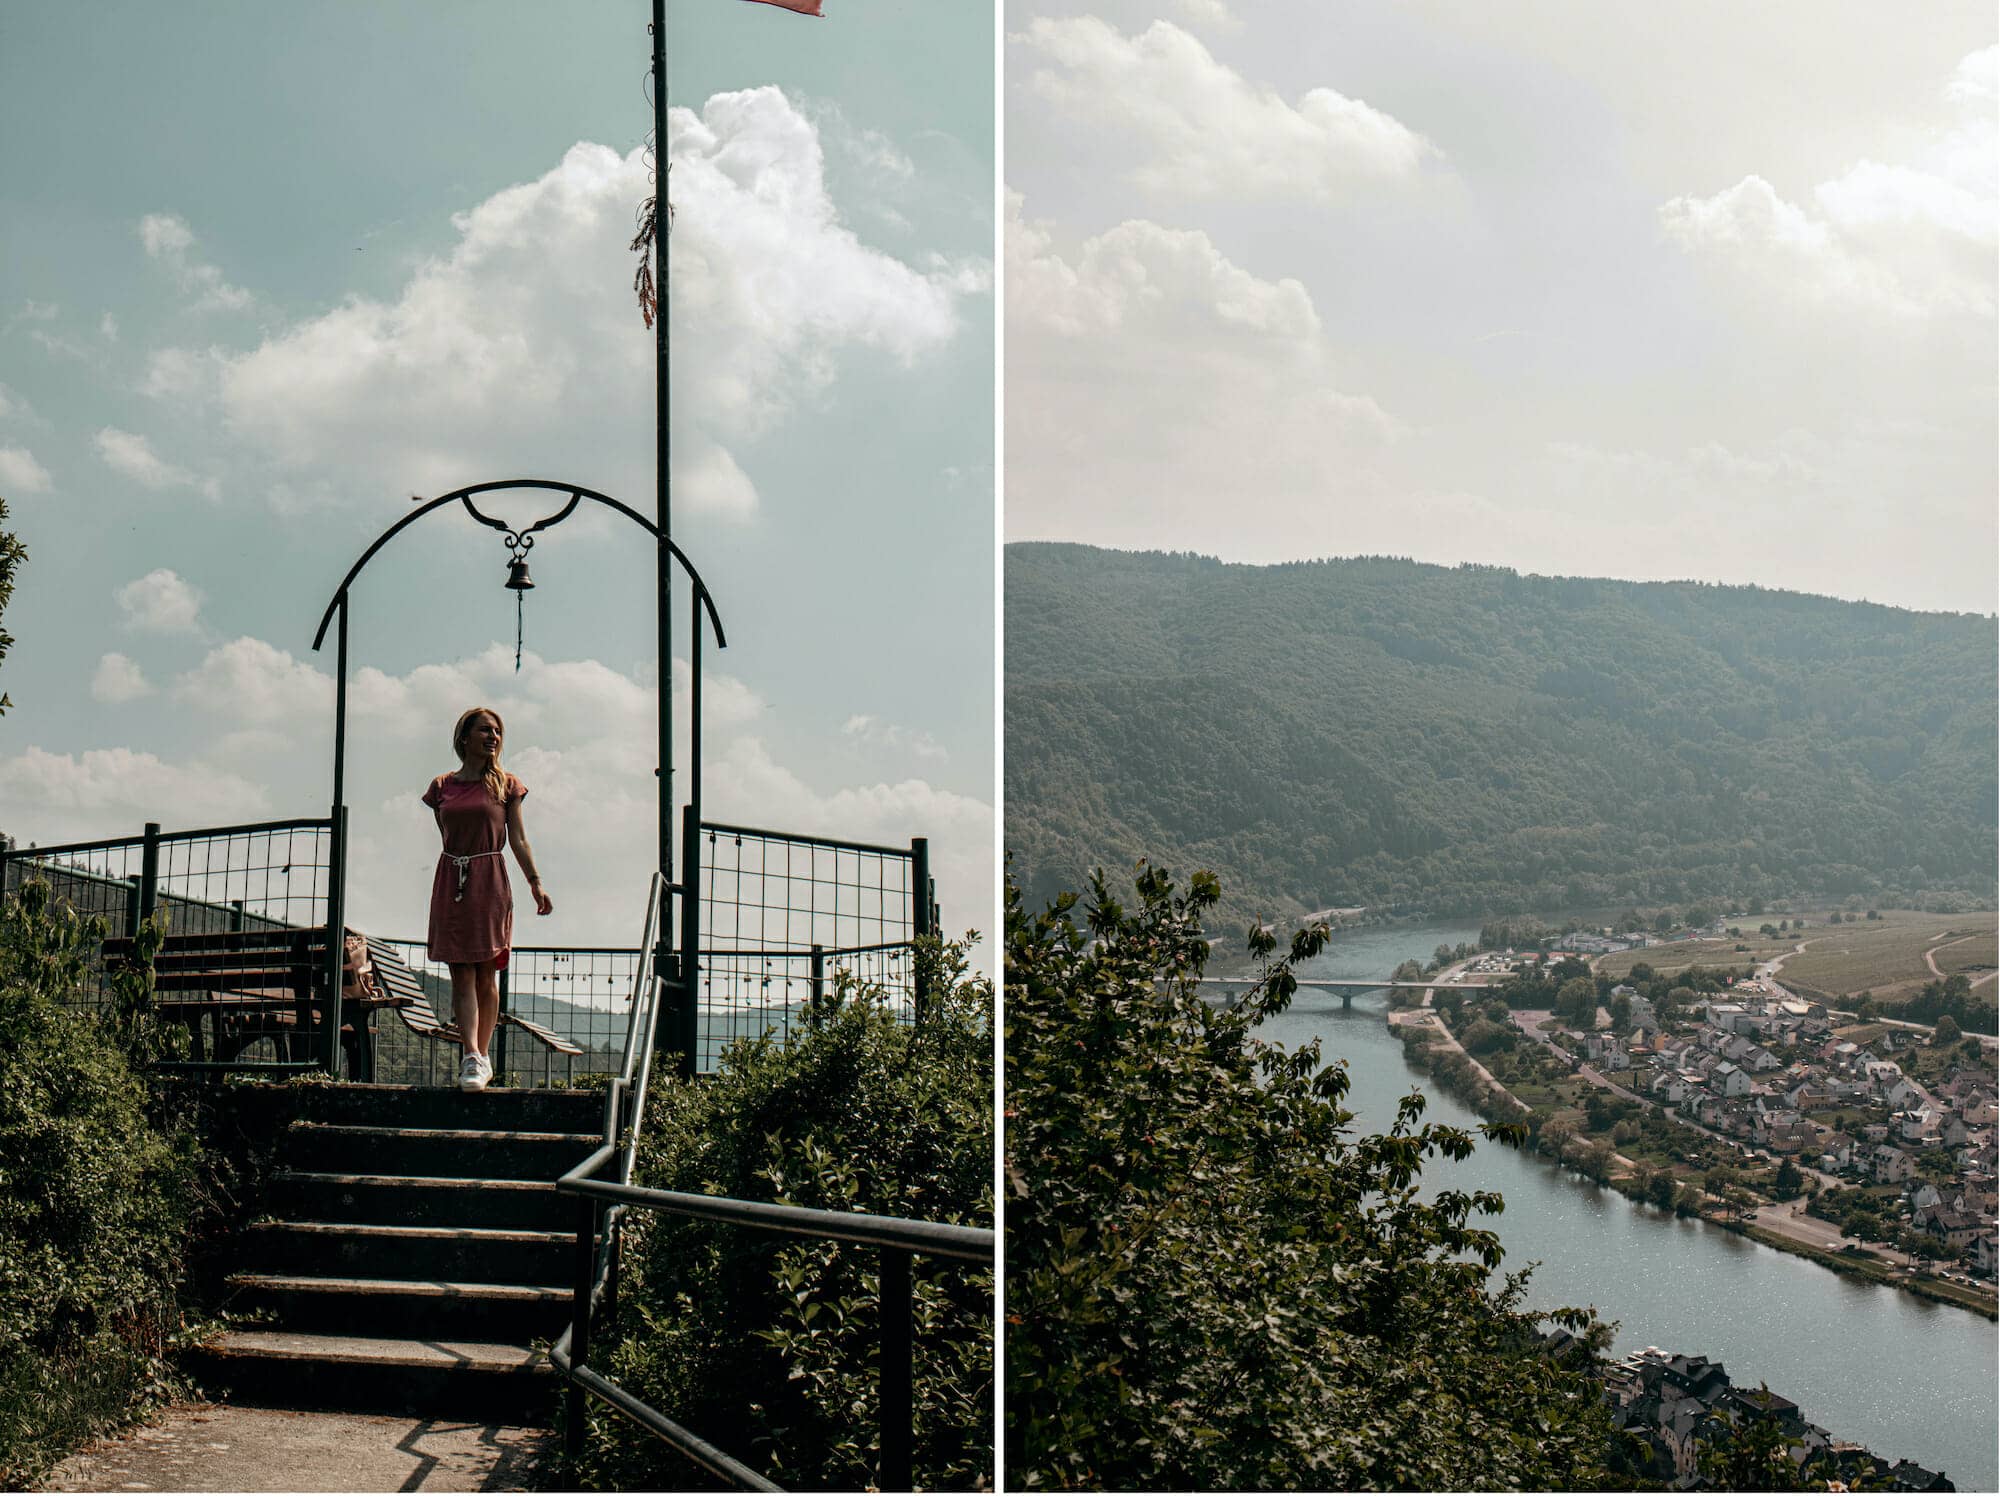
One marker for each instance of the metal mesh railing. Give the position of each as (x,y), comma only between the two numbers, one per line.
(582,994)
(261,876)
(782,914)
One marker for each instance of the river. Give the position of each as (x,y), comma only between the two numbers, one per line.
(1907,1378)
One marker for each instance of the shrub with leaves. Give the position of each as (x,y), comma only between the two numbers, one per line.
(767,1346)
(97,1198)
(1212,1281)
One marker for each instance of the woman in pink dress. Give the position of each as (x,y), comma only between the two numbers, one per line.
(478,811)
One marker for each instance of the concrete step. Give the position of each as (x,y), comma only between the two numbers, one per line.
(466,1379)
(421,1200)
(487,1153)
(434,1309)
(510,1109)
(486,1255)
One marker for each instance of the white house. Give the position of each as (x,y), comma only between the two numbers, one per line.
(1891,1165)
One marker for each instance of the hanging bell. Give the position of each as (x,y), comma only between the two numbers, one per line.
(517,575)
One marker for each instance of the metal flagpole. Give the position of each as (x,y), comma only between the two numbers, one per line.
(662,411)
(680,1034)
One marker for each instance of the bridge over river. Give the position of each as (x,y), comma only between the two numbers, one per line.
(1347,987)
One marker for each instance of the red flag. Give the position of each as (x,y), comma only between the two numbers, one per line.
(803,7)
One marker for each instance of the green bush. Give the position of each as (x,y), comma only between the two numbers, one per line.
(99,1195)
(1212,1282)
(767,1346)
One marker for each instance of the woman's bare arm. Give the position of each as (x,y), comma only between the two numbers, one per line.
(517,838)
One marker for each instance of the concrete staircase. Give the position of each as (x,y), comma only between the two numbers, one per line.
(415,1248)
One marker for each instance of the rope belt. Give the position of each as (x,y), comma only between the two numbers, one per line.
(464,866)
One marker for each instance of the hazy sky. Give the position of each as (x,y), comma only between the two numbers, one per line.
(271,269)
(1635,290)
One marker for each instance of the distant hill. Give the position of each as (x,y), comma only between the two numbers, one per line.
(1469,741)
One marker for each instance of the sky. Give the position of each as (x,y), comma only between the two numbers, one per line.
(273,269)
(1596,288)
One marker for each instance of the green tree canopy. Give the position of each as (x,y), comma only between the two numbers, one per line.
(1468,741)
(1576,1002)
(1213,1281)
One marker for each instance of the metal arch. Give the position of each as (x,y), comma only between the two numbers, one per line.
(575,491)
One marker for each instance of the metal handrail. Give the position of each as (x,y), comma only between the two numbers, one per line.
(899,1239)
(898,1233)
(603,1203)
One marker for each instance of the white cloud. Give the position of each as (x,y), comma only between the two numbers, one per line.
(1975,82)
(1213,14)
(1150,380)
(169,240)
(161,602)
(249,681)
(107,328)
(1911,238)
(482,357)
(877,154)
(132,455)
(21,474)
(113,792)
(118,679)
(582,736)
(180,374)
(61,346)
(31,311)
(745,784)
(1205,131)
(579,733)
(1811,503)
(871,732)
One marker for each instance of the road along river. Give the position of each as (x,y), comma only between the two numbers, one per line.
(1908,1378)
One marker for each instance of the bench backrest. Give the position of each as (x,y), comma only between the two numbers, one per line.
(214,960)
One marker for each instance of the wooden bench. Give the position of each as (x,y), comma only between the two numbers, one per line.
(406,995)
(269,984)
(254,985)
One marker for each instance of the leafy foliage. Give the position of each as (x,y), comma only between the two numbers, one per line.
(1212,1282)
(767,1345)
(101,1190)
(1465,741)
(1754,1455)
(1953,1001)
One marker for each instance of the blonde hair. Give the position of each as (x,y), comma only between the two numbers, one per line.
(495,777)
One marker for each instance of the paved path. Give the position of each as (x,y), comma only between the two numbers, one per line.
(1789,1219)
(1426,1013)
(1930,956)
(224,1448)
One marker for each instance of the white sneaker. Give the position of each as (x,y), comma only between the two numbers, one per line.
(485,1070)
(473,1074)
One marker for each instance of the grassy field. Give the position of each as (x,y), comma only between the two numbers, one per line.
(1886,956)
(1974,957)
(1678,956)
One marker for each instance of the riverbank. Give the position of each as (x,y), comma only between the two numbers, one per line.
(1431,1047)
(1902,1375)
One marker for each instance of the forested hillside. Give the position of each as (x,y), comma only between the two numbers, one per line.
(1470,741)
